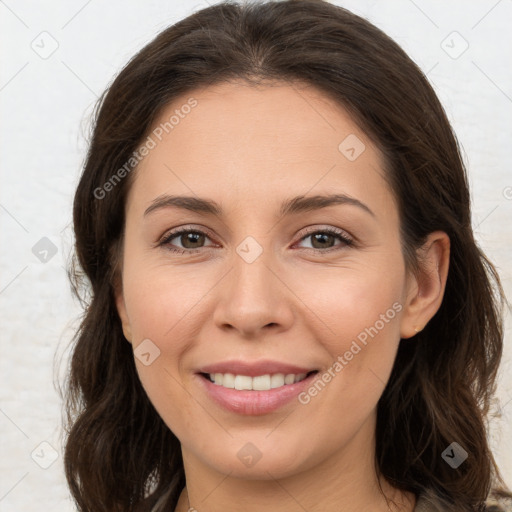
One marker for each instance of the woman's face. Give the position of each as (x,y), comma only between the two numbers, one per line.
(298,269)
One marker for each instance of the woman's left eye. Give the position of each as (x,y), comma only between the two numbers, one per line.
(189,238)
(326,235)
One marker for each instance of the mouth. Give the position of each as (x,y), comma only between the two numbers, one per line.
(264,382)
(257,394)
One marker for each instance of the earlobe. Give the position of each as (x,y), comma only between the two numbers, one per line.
(117,285)
(427,291)
(121,310)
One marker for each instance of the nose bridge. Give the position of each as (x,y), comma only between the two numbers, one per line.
(253,296)
(252,262)
(252,279)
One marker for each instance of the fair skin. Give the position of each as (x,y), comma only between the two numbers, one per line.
(249,149)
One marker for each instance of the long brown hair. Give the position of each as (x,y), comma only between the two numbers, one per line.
(119,454)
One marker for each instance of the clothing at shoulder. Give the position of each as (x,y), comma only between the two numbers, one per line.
(152,504)
(427,504)
(158,507)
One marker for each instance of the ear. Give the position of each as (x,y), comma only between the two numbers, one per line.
(123,315)
(425,290)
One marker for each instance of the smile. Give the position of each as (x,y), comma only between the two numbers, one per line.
(256,395)
(257,383)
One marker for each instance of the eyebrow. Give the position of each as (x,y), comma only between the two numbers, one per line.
(291,206)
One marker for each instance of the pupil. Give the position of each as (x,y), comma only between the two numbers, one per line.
(194,237)
(319,236)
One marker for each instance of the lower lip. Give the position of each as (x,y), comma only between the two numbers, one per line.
(254,402)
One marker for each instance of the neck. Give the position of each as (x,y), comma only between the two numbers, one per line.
(345,481)
(394,501)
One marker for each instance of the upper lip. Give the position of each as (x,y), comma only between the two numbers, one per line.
(253,369)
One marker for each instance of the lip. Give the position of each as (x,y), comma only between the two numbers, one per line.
(253,403)
(263,367)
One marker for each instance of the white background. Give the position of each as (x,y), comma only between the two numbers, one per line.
(45,106)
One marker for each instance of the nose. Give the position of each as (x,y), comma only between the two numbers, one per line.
(253,298)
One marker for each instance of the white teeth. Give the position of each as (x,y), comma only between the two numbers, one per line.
(289,379)
(228,380)
(259,383)
(277,380)
(243,382)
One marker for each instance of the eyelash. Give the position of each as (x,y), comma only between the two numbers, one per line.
(331,231)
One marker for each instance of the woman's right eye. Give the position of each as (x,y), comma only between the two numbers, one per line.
(185,236)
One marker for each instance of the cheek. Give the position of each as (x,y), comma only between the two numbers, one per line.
(159,299)
(159,308)
(361,315)
(359,302)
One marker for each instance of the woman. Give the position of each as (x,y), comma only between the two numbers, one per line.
(228,359)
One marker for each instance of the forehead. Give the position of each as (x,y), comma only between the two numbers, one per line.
(252,142)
